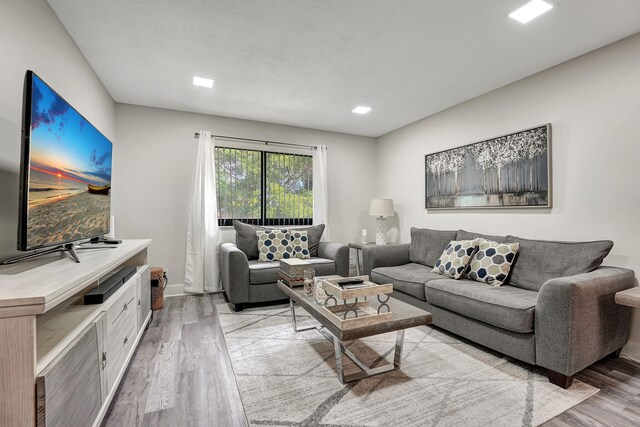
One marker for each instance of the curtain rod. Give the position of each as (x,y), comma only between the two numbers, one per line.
(263,141)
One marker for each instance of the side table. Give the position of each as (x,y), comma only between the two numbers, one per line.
(629,297)
(358,247)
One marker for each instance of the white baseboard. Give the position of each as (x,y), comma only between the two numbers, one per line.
(174,290)
(177,289)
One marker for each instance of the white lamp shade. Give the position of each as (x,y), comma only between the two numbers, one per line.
(381,208)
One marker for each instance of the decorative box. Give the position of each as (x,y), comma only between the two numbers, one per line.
(291,271)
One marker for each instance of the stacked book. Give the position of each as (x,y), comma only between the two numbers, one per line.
(291,271)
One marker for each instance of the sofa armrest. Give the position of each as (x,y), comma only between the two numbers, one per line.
(577,321)
(234,271)
(384,256)
(339,253)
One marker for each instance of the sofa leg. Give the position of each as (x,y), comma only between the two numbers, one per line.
(615,354)
(561,380)
(237,307)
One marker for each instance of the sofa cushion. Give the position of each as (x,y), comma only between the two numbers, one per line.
(263,272)
(246,239)
(314,233)
(299,244)
(427,245)
(273,245)
(408,278)
(455,258)
(469,235)
(506,307)
(267,272)
(540,260)
(492,262)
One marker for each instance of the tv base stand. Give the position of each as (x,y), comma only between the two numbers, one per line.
(69,247)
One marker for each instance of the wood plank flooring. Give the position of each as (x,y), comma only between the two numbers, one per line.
(181,375)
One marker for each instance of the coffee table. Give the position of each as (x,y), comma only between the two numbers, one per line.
(404,316)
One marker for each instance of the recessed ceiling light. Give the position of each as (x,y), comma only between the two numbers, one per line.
(202,81)
(361,110)
(531,10)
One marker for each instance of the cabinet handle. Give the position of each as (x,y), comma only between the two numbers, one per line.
(104,360)
(126,340)
(126,306)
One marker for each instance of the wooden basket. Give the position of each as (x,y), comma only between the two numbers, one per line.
(357,313)
(157,292)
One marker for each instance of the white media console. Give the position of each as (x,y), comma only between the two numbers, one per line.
(60,360)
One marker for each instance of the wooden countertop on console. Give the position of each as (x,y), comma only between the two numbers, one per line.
(33,287)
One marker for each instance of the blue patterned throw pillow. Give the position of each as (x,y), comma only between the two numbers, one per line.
(455,257)
(299,242)
(273,245)
(492,262)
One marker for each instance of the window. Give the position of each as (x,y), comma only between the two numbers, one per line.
(263,188)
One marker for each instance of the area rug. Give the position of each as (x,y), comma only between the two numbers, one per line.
(289,379)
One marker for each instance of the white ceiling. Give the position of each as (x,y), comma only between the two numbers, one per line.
(310,62)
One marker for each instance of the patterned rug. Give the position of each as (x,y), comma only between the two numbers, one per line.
(289,379)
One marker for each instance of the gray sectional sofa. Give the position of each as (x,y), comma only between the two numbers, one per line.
(247,280)
(556,311)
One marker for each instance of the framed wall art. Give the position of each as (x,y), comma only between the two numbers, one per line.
(510,171)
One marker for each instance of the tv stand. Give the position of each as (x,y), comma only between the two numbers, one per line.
(61,361)
(68,247)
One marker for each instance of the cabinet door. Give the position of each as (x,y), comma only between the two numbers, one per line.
(69,390)
(144,293)
(101,332)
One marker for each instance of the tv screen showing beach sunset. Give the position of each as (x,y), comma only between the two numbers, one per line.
(69,172)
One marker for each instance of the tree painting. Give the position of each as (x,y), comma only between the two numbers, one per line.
(507,171)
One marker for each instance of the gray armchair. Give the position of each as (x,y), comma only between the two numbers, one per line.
(247,280)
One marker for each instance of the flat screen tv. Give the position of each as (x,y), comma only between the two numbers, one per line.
(65,172)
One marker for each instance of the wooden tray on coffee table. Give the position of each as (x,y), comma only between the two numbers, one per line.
(332,288)
(356,313)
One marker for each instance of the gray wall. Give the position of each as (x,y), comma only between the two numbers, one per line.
(33,38)
(592,103)
(153,174)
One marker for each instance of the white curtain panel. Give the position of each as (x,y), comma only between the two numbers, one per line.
(201,267)
(320,187)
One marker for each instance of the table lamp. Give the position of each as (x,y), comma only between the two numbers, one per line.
(381,209)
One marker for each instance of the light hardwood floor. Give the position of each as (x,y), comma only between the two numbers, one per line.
(181,375)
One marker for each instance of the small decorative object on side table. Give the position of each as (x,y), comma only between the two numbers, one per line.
(381,209)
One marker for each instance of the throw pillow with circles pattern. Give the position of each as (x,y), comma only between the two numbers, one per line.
(299,242)
(492,262)
(273,245)
(455,257)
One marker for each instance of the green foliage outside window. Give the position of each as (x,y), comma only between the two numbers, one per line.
(286,184)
